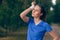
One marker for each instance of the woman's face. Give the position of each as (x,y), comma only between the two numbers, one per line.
(36,13)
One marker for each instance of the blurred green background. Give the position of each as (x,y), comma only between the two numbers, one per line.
(11,25)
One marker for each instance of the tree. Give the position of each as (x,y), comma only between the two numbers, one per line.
(57,12)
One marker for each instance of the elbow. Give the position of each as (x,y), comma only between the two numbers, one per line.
(21,15)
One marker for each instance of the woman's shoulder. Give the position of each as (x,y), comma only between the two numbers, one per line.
(30,20)
(45,23)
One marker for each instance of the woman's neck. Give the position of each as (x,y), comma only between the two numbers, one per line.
(37,19)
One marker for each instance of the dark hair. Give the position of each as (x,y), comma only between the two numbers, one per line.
(42,11)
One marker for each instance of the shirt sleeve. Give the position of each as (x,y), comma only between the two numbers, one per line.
(48,28)
(30,19)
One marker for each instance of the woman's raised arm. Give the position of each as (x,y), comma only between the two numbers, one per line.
(25,12)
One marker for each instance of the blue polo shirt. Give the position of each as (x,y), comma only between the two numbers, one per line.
(37,32)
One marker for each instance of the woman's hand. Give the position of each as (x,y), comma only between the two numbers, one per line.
(33,5)
(54,35)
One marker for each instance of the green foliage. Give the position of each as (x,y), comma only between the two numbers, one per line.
(57,12)
(11,9)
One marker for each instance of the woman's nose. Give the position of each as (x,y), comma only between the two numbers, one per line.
(36,12)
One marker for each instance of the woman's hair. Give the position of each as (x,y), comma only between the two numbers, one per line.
(42,11)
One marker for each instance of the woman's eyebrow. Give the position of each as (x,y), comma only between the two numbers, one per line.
(35,9)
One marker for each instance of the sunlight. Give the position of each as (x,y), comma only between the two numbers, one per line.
(51,8)
(54,2)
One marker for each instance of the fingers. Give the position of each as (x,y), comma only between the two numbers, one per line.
(33,3)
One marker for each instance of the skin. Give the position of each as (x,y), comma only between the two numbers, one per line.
(36,13)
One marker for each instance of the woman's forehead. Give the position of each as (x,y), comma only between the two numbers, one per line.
(37,7)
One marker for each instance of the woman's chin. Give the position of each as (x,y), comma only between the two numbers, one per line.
(34,16)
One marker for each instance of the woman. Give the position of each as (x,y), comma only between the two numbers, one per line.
(37,27)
